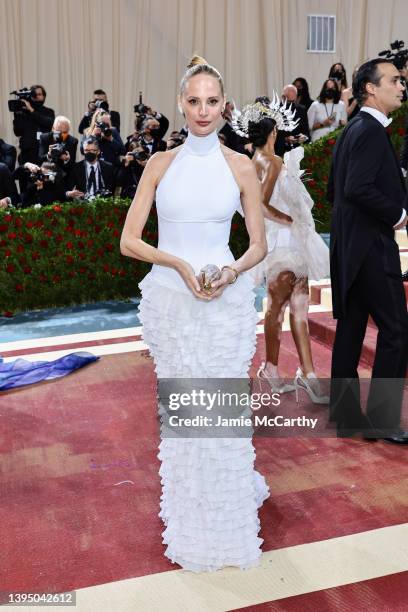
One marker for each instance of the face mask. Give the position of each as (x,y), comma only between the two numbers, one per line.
(90,156)
(337,75)
(154,132)
(300,91)
(329,93)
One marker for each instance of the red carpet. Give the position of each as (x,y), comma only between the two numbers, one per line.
(66,522)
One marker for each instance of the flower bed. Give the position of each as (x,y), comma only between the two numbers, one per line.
(69,253)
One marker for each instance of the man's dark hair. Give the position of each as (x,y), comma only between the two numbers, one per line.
(34,87)
(99,92)
(337,93)
(367,73)
(91,140)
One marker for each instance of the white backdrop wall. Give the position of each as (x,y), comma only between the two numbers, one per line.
(123,46)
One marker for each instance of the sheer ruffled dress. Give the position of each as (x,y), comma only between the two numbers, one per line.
(210,489)
(297,247)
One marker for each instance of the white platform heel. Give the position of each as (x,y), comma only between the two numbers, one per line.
(276,384)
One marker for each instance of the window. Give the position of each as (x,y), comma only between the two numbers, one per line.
(321,33)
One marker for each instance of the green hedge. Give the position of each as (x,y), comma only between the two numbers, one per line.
(68,253)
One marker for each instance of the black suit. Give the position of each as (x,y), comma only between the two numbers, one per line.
(77,176)
(368,193)
(233,140)
(7,185)
(404,151)
(70,143)
(26,125)
(8,155)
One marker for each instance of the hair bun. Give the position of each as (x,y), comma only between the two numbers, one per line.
(195,60)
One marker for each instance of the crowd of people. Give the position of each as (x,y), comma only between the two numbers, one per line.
(47,169)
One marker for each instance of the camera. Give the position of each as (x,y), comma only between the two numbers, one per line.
(41,176)
(105,128)
(397,54)
(141,155)
(101,193)
(17,106)
(56,151)
(140,108)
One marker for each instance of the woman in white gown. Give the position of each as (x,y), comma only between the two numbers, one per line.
(210,490)
(296,252)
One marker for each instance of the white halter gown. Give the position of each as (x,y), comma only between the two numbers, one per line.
(211,491)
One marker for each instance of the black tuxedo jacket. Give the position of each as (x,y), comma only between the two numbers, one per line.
(368,193)
(77,176)
(404,151)
(8,155)
(26,125)
(7,185)
(71,145)
(233,140)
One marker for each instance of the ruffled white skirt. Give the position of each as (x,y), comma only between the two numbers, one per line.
(210,490)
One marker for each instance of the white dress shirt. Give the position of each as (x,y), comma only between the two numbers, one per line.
(385,121)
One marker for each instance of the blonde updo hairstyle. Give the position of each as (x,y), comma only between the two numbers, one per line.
(198,65)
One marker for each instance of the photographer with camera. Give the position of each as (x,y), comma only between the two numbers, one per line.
(59,146)
(8,155)
(45,184)
(142,111)
(132,168)
(110,143)
(92,176)
(150,135)
(100,100)
(31,118)
(175,140)
(8,191)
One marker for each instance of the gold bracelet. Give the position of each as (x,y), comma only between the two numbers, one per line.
(236,273)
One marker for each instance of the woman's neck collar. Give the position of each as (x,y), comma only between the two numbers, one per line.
(202,145)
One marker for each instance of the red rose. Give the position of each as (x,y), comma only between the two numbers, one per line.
(69,245)
(81,255)
(20,248)
(7,313)
(312,182)
(27,270)
(77,232)
(3,243)
(28,238)
(48,233)
(401,131)
(35,255)
(69,259)
(71,274)
(59,238)
(10,268)
(44,244)
(56,278)
(109,247)
(116,232)
(57,208)
(80,245)
(106,267)
(82,270)
(19,287)
(29,224)
(110,224)
(18,222)
(331,141)
(7,218)
(12,236)
(7,253)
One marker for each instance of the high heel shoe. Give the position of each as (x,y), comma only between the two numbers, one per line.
(276,384)
(311,385)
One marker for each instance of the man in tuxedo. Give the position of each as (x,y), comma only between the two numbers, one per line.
(8,192)
(8,155)
(59,135)
(369,200)
(150,135)
(92,175)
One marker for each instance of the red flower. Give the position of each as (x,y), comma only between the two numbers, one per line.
(7,313)
(71,274)
(82,270)
(3,243)
(43,278)
(56,278)
(69,245)
(10,268)
(110,224)
(331,141)
(401,131)
(59,238)
(109,247)
(28,238)
(18,222)
(57,208)
(29,224)
(19,287)
(78,232)
(69,259)
(48,233)
(116,232)
(7,253)
(312,183)
(7,218)
(12,236)
(81,255)
(35,255)
(44,244)
(319,205)
(80,245)
(20,248)
(106,267)
(27,270)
